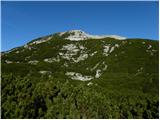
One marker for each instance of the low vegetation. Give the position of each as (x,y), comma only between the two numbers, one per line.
(104,78)
(51,98)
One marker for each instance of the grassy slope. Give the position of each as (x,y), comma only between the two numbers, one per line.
(121,71)
(121,77)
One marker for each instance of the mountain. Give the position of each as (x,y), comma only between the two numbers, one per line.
(74,74)
(77,35)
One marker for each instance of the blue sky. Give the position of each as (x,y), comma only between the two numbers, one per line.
(25,21)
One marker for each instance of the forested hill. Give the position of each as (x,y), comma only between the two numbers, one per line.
(77,75)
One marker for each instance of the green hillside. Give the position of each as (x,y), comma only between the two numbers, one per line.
(93,78)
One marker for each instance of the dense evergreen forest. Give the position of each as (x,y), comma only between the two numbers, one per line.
(51,98)
(52,77)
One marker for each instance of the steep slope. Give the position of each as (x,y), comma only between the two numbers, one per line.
(110,65)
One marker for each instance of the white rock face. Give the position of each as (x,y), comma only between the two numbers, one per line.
(98,73)
(27,47)
(154,50)
(45,72)
(111,50)
(95,67)
(143,42)
(105,67)
(81,57)
(117,45)
(76,35)
(51,60)
(106,50)
(17,52)
(41,40)
(70,49)
(92,54)
(139,71)
(90,83)
(26,58)
(151,51)
(33,62)
(150,46)
(65,64)
(8,62)
(78,76)
(81,47)
(69,52)
(99,67)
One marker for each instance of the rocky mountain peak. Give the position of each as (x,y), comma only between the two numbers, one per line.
(76,35)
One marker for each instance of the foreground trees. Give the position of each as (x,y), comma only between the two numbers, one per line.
(51,98)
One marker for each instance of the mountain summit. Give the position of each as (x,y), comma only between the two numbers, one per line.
(77,48)
(73,35)
(77,35)
(76,75)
